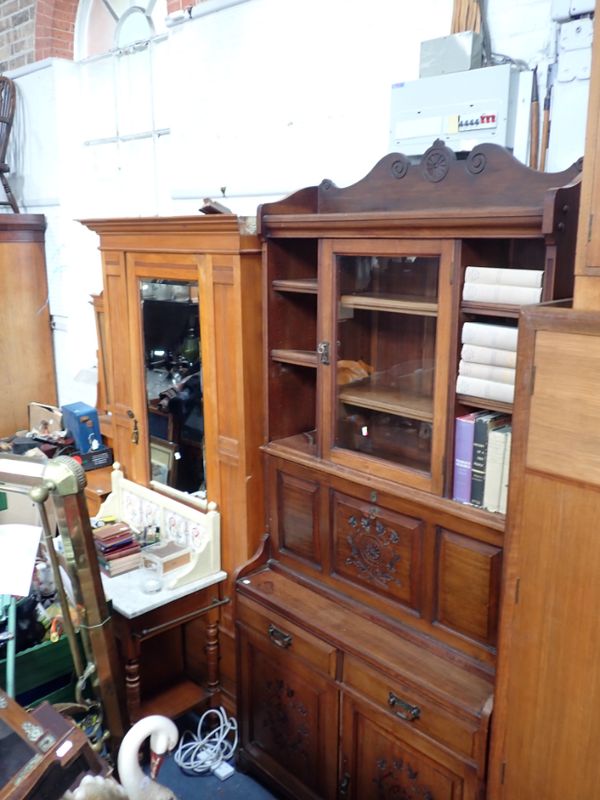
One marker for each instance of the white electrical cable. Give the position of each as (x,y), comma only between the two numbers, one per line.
(203,751)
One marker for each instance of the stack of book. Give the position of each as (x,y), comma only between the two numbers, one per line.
(503,286)
(117,548)
(487,361)
(481,459)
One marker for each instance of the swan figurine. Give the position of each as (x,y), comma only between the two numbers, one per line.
(135,785)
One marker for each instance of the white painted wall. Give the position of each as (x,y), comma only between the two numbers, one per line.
(261,97)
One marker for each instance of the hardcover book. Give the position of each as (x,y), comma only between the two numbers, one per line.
(505,473)
(484,423)
(487,372)
(493,356)
(112,555)
(504,295)
(484,389)
(108,531)
(504,275)
(463,456)
(487,334)
(494,467)
(114,543)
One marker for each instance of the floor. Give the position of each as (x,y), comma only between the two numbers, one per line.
(197,786)
(200,786)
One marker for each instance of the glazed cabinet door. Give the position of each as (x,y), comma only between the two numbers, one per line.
(381,760)
(383,353)
(289,714)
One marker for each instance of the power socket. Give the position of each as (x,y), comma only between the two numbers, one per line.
(223,770)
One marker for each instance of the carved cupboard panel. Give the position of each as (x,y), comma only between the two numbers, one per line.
(289,714)
(379,762)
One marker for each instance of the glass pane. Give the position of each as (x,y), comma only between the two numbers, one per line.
(386,349)
(15,753)
(171,327)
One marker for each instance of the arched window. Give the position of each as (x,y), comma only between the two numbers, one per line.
(105,25)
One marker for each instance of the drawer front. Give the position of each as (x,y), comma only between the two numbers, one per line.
(407,705)
(281,634)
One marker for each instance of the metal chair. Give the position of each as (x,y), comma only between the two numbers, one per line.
(7,113)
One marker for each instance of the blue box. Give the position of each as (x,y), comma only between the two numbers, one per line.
(81,421)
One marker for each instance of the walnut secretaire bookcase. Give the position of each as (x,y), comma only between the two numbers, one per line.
(367,624)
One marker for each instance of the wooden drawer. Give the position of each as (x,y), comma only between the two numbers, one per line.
(287,636)
(414,709)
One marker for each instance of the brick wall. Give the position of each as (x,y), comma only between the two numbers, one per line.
(17,33)
(31,30)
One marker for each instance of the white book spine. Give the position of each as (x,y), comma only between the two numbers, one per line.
(505,475)
(486,390)
(508,275)
(487,372)
(488,355)
(493,469)
(485,334)
(506,295)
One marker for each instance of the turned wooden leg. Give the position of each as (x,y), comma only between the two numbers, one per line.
(132,688)
(212,656)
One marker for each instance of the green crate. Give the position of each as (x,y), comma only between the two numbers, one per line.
(40,665)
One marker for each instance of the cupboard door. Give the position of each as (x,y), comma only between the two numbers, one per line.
(381,760)
(546,726)
(385,323)
(289,716)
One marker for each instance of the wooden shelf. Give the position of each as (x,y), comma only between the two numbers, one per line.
(301,358)
(177,699)
(305,443)
(491,309)
(396,304)
(400,401)
(301,285)
(480,402)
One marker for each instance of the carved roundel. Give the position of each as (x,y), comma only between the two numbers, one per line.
(436,162)
(326,185)
(399,167)
(476,162)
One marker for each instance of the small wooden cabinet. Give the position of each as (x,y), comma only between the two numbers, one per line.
(377,593)
(201,273)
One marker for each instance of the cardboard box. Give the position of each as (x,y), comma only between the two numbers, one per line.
(82,423)
(455,53)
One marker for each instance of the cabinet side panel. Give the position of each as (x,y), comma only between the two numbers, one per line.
(563,436)
(550,748)
(468,586)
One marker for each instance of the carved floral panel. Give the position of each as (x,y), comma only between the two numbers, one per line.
(378,548)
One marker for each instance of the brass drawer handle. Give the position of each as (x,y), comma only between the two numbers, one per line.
(279,638)
(405,710)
